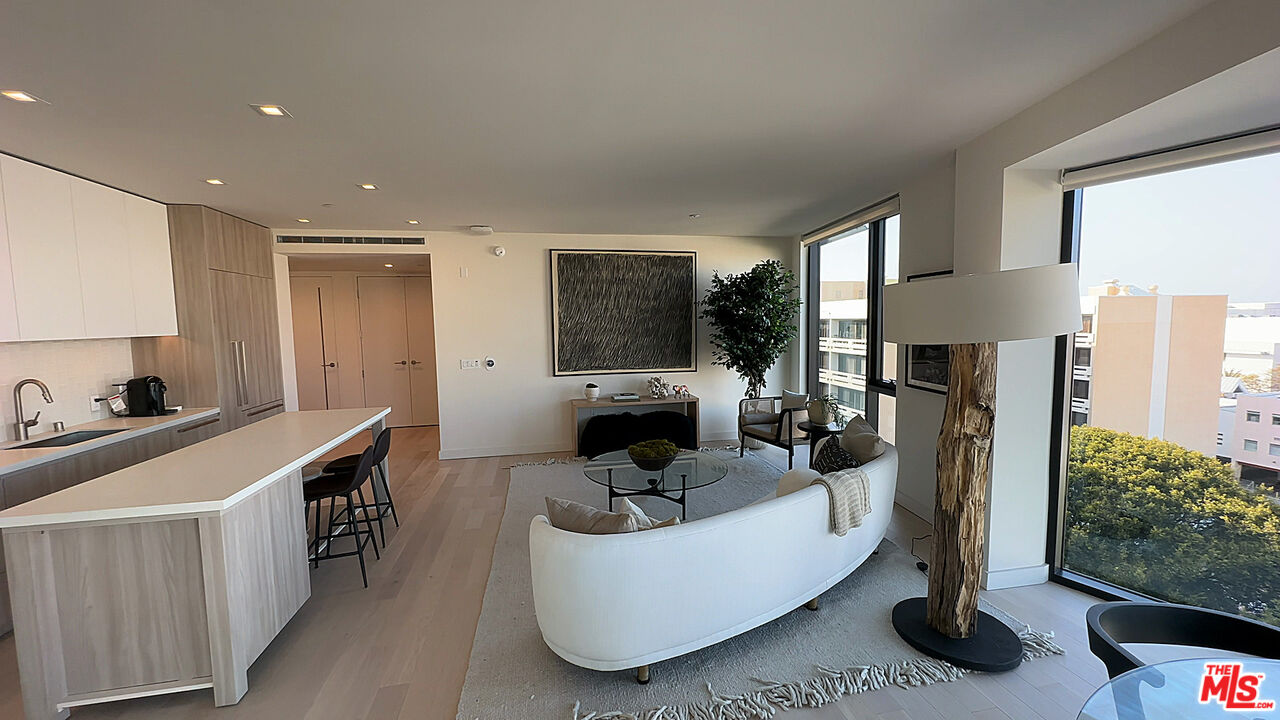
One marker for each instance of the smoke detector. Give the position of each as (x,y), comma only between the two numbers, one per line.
(481,230)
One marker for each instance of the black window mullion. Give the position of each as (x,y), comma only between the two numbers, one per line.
(813,290)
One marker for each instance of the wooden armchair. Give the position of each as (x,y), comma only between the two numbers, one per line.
(767,420)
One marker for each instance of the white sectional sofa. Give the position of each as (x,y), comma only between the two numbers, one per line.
(614,602)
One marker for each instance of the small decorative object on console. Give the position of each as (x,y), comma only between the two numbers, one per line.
(653,455)
(680,391)
(626,397)
(659,388)
(591,392)
(823,410)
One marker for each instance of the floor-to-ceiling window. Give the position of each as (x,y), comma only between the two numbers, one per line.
(847,269)
(1168,484)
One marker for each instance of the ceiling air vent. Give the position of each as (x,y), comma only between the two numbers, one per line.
(348,240)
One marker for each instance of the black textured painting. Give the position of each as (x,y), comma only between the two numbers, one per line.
(617,312)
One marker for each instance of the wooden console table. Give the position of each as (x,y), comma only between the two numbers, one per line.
(581,410)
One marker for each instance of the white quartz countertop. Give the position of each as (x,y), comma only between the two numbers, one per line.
(15,459)
(204,478)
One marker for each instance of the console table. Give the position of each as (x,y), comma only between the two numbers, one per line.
(581,410)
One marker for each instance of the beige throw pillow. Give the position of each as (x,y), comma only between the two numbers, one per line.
(863,446)
(579,518)
(643,521)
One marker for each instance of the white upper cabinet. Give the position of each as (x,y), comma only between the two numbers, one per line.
(150,267)
(85,260)
(8,304)
(42,251)
(102,247)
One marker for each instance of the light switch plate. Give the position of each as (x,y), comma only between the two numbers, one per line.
(471,364)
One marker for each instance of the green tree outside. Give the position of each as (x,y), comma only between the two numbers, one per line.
(1172,523)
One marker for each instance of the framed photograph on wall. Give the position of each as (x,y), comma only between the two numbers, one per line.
(623,311)
(928,366)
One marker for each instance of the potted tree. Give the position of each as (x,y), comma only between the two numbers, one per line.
(753,319)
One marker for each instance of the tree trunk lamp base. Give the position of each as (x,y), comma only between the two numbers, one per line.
(995,647)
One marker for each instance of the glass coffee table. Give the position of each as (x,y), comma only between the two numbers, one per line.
(691,469)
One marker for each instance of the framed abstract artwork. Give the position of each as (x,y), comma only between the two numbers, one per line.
(623,311)
(928,366)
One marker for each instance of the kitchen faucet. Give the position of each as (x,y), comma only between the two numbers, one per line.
(21,428)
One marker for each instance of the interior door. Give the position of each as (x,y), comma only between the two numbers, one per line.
(384,347)
(314,338)
(420,317)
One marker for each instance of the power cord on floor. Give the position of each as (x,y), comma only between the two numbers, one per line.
(921,565)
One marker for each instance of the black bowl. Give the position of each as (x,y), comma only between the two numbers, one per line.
(653,464)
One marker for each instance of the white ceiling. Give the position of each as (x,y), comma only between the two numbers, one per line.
(402,264)
(616,116)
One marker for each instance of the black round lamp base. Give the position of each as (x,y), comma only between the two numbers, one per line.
(995,647)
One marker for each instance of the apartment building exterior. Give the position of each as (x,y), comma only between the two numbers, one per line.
(1150,364)
(1256,445)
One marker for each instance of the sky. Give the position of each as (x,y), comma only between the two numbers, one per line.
(1213,230)
(846,258)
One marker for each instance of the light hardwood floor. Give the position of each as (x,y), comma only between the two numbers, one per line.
(400,648)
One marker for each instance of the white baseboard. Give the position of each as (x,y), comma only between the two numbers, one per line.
(1016,577)
(917,508)
(466,453)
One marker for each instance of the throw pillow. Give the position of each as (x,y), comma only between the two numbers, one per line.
(831,457)
(643,521)
(794,399)
(797,479)
(863,446)
(579,518)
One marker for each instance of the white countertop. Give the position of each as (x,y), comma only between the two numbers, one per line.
(207,477)
(13,460)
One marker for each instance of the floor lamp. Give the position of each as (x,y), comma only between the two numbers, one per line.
(970,313)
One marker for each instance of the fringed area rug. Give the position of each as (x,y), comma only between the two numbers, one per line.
(802,659)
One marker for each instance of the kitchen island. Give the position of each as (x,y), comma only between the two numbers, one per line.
(170,575)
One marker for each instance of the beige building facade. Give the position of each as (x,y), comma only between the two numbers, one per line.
(1151,364)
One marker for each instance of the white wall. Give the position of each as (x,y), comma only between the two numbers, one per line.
(502,308)
(74,370)
(925,246)
(1006,218)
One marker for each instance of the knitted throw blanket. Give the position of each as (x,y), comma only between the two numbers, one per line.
(850,494)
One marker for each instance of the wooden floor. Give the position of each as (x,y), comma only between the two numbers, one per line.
(400,648)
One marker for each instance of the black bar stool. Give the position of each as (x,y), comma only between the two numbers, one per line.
(381,447)
(343,523)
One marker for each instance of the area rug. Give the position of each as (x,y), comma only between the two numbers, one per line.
(802,659)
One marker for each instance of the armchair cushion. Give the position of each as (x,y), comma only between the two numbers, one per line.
(762,418)
(764,432)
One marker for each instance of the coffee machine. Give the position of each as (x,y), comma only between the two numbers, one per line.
(145,396)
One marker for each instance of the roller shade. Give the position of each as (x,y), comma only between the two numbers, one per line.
(1262,142)
(882,209)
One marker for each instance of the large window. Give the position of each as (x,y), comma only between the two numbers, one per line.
(1167,479)
(847,358)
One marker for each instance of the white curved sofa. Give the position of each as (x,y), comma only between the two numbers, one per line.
(614,602)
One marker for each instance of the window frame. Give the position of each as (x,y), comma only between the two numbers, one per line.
(876,384)
(1253,416)
(1060,431)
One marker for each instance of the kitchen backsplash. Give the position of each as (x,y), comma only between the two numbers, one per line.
(74,370)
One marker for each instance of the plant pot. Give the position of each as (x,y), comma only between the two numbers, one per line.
(591,393)
(652,464)
(819,413)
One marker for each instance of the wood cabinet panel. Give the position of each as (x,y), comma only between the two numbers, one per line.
(241,247)
(42,251)
(103,254)
(264,371)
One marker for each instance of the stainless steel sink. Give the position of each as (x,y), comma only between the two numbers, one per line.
(70,438)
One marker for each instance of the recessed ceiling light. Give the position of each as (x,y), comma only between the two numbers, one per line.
(695,216)
(412,222)
(387,265)
(22,96)
(368,186)
(215,181)
(270,110)
(303,220)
